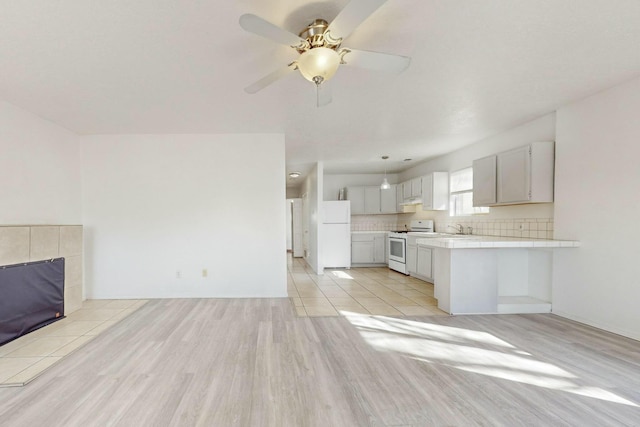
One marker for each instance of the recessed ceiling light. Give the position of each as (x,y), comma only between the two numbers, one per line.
(294,175)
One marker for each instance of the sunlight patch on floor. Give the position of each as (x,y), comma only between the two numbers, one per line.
(342,275)
(424,330)
(471,351)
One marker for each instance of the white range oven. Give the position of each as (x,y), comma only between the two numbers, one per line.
(398,244)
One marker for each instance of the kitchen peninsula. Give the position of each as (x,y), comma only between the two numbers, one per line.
(489,275)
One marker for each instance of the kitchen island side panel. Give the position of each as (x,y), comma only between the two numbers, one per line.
(474,281)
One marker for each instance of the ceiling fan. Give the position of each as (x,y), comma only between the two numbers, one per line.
(320,47)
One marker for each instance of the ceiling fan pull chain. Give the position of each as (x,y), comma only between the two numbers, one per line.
(318,80)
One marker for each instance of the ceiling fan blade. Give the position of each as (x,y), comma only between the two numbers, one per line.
(376,60)
(324,94)
(351,16)
(255,24)
(270,78)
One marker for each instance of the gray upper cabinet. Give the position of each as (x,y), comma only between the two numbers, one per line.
(435,191)
(388,200)
(484,181)
(416,187)
(356,196)
(399,198)
(406,190)
(372,199)
(518,176)
(514,175)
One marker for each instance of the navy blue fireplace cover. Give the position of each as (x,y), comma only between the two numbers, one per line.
(31,296)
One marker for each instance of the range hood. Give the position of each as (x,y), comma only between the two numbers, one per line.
(412,202)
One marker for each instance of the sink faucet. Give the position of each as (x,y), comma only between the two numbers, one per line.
(459,228)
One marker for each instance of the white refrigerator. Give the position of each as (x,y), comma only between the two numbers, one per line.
(336,234)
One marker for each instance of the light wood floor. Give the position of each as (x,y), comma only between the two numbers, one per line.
(253,362)
(23,359)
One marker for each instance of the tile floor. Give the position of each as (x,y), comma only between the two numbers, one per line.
(25,358)
(377,291)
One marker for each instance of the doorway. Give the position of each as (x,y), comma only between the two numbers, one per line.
(294,227)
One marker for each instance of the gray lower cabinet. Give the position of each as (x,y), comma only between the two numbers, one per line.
(361,252)
(368,248)
(379,248)
(424,262)
(412,259)
(419,260)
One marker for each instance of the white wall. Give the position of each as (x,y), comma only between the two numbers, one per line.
(39,170)
(597,188)
(156,204)
(293,192)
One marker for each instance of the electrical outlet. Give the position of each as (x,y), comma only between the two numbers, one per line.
(178,274)
(205,273)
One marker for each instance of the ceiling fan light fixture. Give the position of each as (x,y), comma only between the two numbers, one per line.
(318,64)
(320,47)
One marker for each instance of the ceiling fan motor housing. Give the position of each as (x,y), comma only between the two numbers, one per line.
(319,60)
(316,34)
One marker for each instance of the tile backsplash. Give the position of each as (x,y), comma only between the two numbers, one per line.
(536,228)
(375,223)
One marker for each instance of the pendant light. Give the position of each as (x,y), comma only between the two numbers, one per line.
(385,184)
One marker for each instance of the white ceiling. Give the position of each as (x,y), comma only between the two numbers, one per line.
(174,66)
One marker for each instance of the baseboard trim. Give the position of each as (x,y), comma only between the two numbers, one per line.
(635,335)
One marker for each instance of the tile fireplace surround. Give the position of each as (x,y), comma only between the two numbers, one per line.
(25,243)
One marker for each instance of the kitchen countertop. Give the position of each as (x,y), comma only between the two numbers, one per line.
(370,232)
(480,242)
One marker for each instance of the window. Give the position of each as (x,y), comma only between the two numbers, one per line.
(461,197)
